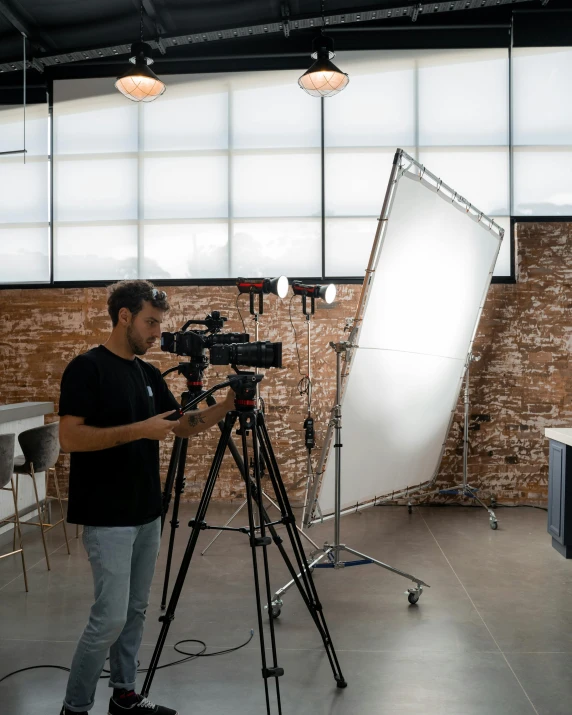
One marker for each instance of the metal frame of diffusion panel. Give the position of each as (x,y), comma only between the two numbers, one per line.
(403,165)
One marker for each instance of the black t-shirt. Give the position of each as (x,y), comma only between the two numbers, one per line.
(119,486)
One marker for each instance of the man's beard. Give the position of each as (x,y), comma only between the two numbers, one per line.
(136,343)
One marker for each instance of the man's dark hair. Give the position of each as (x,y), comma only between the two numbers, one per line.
(132,295)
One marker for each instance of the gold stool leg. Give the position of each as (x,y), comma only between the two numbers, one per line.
(17,526)
(40,516)
(61,506)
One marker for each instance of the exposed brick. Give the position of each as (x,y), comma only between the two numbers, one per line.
(522,384)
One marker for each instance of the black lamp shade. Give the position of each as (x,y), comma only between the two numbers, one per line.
(323,79)
(140,83)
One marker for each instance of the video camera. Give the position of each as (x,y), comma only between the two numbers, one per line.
(225,349)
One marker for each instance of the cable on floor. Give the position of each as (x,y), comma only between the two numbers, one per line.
(189,656)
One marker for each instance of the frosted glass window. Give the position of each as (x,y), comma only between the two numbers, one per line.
(275,117)
(542,182)
(265,248)
(463,99)
(542,101)
(12,130)
(378,109)
(356,182)
(95,252)
(276,184)
(24,192)
(185,187)
(348,245)
(88,190)
(194,250)
(94,129)
(24,255)
(481,175)
(186,122)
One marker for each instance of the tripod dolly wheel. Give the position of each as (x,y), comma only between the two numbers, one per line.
(494,524)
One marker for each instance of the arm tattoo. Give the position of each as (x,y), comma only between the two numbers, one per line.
(195,420)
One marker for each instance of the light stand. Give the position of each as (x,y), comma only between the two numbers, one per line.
(465,489)
(333,551)
(258,286)
(311,293)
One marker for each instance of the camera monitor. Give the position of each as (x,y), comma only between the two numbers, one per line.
(428,277)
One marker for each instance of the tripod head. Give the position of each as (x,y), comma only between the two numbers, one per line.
(244,384)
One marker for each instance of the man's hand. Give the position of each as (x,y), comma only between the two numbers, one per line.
(157,427)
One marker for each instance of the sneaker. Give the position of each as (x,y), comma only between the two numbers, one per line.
(132,704)
(65,711)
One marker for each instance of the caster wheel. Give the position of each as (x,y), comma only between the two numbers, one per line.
(413,596)
(275,611)
(409,509)
(494,524)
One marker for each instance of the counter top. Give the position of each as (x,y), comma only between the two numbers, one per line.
(560,434)
(23,410)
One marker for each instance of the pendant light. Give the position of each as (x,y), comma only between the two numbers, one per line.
(323,79)
(140,83)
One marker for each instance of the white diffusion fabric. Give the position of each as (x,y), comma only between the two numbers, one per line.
(431,279)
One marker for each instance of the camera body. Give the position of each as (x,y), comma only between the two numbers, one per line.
(224,348)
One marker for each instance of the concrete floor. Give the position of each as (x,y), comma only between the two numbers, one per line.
(493,634)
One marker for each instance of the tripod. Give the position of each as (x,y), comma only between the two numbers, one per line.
(333,551)
(251,424)
(465,489)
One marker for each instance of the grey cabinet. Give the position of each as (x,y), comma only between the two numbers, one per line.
(560,497)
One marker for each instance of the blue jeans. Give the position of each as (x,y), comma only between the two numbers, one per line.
(123,561)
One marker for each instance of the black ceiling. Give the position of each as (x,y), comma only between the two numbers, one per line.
(77,38)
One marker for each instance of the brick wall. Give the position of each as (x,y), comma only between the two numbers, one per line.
(522,384)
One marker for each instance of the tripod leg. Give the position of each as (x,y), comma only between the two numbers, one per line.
(304,582)
(170,480)
(179,489)
(197,523)
(239,463)
(248,422)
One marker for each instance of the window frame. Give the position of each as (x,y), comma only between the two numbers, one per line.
(357,280)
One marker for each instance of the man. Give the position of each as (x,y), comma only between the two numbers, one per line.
(113,410)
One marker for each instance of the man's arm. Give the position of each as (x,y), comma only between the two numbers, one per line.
(200,420)
(76,436)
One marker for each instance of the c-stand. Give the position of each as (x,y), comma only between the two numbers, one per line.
(251,424)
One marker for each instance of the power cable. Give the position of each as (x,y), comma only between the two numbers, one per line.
(189,656)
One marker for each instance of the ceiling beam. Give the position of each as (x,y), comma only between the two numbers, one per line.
(285,26)
(16,16)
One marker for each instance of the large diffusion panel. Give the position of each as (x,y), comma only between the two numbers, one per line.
(404,380)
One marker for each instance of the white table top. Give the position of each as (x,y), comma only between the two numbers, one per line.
(560,434)
(23,410)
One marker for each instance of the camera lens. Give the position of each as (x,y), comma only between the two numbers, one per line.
(259,354)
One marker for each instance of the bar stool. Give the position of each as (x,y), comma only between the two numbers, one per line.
(7,442)
(41,448)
